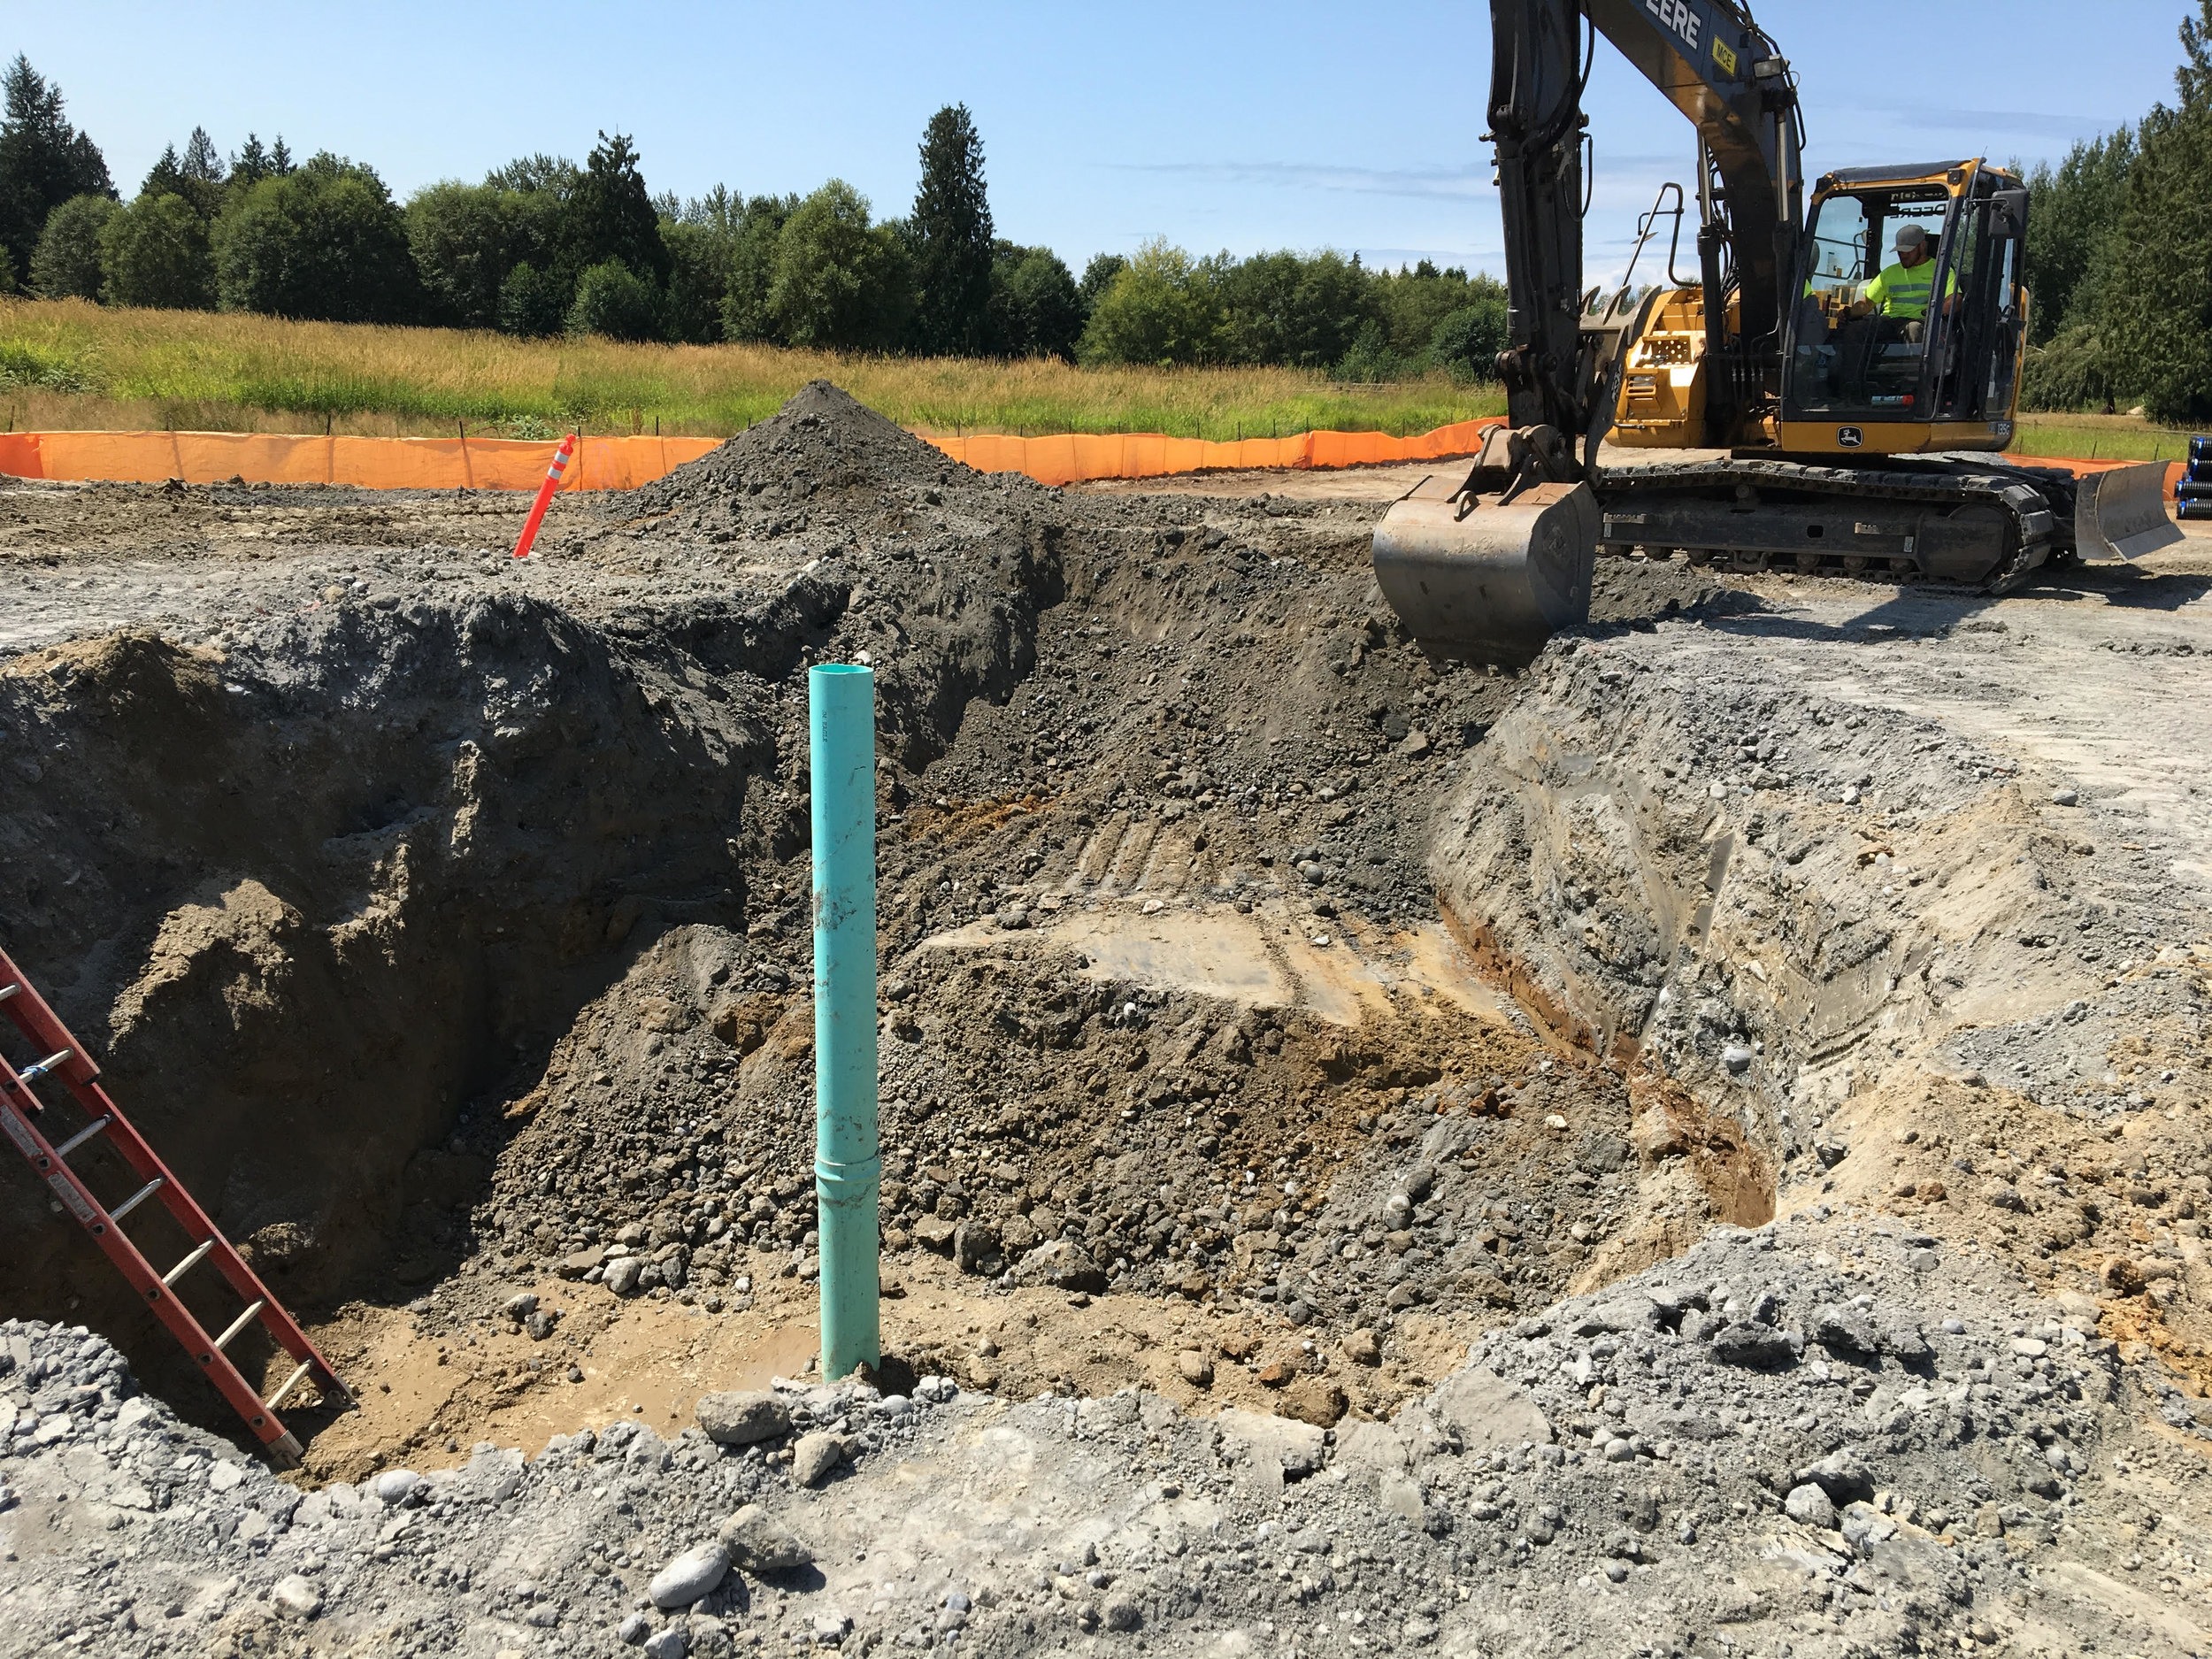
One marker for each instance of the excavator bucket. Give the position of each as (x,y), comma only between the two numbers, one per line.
(1486,578)
(2120,513)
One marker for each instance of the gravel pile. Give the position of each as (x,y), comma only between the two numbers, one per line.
(1824,1434)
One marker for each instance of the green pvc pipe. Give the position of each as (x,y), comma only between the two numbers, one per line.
(847,1174)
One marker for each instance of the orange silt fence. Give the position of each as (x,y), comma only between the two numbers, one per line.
(623,463)
(1073,457)
(265,457)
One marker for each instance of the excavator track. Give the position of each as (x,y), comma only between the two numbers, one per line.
(1951,519)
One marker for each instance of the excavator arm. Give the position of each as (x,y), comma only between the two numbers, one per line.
(1712,63)
(1492,563)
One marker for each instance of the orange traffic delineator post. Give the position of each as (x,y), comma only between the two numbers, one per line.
(545,496)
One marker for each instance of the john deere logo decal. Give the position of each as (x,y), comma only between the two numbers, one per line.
(1849,437)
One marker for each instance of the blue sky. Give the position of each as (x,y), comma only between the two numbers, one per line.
(1241,127)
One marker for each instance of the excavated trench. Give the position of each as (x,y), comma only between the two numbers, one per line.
(1239,958)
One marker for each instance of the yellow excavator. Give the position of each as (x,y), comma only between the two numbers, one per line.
(1856,437)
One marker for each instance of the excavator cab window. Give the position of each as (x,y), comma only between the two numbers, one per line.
(1977,354)
(1860,332)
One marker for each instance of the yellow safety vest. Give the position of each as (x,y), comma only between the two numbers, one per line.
(1898,292)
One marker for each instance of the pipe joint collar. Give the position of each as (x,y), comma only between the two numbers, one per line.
(853,1183)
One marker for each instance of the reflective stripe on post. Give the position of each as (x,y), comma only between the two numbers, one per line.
(545,496)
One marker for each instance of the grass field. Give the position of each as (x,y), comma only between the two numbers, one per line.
(2098,438)
(71,366)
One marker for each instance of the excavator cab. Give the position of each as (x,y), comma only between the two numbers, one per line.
(1888,358)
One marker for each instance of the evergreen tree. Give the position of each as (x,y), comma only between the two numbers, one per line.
(281,159)
(197,175)
(1098,276)
(2071,211)
(2157,301)
(1035,310)
(202,164)
(951,237)
(251,165)
(611,216)
(43,161)
(749,279)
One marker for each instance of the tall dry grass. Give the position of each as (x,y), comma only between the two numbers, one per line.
(69,365)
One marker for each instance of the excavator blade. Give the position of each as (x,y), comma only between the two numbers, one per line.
(1488,582)
(2121,514)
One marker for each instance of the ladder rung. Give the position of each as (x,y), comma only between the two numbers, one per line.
(136,1199)
(31,1073)
(188,1263)
(277,1399)
(240,1322)
(7,991)
(83,1135)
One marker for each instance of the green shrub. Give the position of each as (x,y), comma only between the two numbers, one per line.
(1369,360)
(24,363)
(615,301)
(67,265)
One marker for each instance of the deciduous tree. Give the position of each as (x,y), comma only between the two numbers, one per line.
(154,252)
(840,282)
(66,263)
(325,241)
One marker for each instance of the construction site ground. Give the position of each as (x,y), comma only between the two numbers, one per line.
(1692,1029)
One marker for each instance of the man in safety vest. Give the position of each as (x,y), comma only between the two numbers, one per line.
(1901,291)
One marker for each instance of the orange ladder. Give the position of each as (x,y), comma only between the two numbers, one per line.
(26,1121)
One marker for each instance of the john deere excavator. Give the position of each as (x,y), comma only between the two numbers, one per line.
(1854,442)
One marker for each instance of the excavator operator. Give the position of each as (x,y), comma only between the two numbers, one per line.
(1900,292)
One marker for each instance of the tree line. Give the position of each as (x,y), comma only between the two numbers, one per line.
(2118,262)
(542,246)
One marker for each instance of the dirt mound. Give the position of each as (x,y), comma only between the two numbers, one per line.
(822,453)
